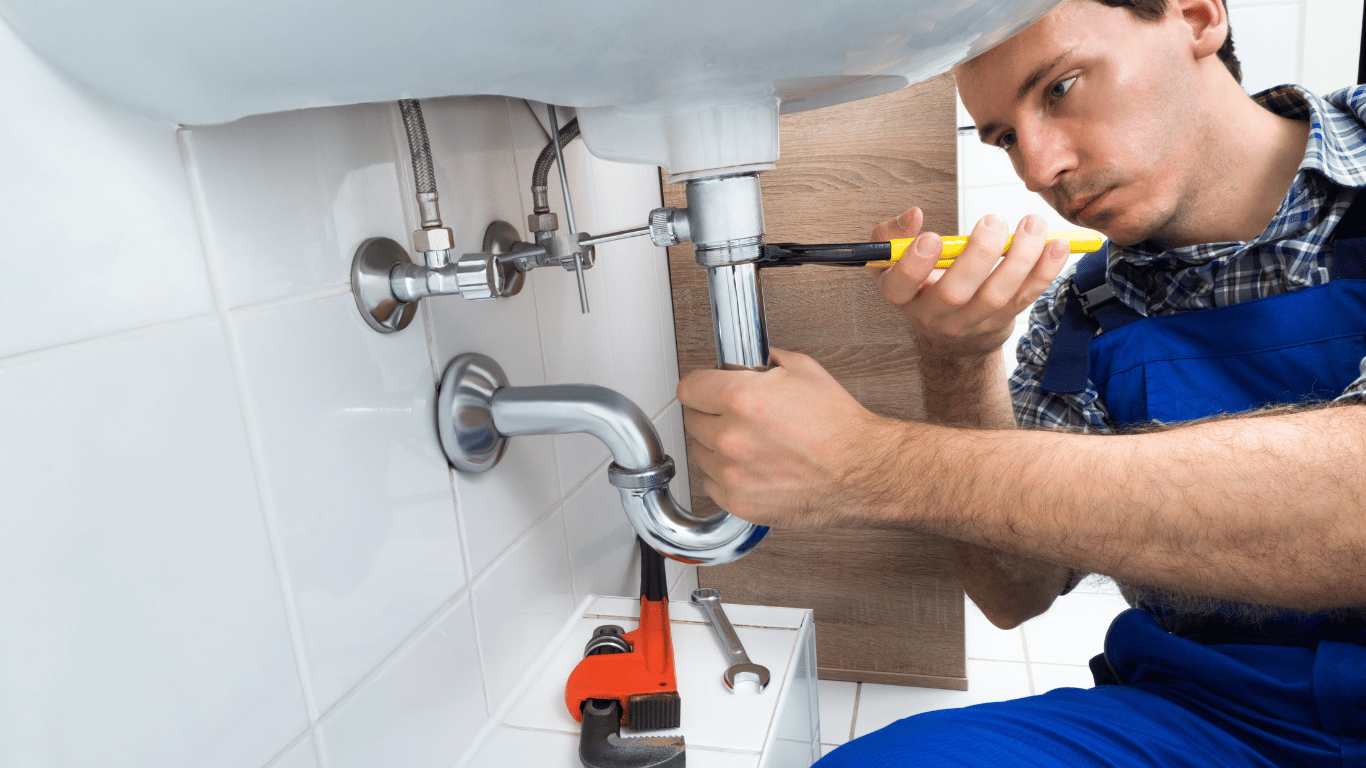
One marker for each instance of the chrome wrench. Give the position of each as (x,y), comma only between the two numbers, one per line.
(710,600)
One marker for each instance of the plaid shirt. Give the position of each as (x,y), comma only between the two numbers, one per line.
(1288,256)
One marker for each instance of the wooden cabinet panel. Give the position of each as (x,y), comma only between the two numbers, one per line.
(888,607)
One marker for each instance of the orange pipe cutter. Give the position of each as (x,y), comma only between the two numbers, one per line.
(627,679)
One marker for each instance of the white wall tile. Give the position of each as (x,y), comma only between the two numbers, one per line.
(289,197)
(302,755)
(602,544)
(361,490)
(478,183)
(422,711)
(151,624)
(521,604)
(1073,630)
(95,215)
(882,705)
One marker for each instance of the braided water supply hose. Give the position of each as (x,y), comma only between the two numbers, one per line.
(424,176)
(541,173)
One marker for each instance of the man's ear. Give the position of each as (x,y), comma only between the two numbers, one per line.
(1207,21)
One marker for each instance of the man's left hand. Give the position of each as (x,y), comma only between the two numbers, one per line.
(787,447)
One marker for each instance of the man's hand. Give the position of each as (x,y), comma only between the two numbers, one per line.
(969,309)
(787,447)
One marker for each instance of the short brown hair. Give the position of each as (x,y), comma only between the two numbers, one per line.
(1152,10)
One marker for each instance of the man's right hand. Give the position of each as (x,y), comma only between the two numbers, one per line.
(968,310)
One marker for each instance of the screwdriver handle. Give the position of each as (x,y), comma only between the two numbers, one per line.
(1081,241)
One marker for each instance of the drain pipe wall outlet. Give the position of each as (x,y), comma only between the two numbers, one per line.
(478,411)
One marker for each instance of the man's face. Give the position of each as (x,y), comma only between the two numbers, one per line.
(1095,109)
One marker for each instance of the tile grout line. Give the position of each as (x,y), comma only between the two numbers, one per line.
(107,340)
(391,658)
(1029,666)
(398,138)
(554,451)
(853,721)
(288,301)
(254,442)
(520,687)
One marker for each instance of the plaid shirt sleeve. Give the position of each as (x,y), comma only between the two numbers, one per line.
(1035,407)
(1357,389)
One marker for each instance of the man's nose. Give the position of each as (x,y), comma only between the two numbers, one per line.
(1043,157)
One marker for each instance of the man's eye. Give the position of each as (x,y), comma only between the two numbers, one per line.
(1006,141)
(1061,88)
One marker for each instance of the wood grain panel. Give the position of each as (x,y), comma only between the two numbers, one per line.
(888,606)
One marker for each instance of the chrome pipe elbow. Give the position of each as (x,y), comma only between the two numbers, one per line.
(477,412)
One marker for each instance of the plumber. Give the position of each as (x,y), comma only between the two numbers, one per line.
(1185,417)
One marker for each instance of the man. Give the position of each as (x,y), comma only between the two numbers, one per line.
(1242,538)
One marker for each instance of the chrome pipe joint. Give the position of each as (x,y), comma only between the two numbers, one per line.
(724,221)
(477,412)
(387,284)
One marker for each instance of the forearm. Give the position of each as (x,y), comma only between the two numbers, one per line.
(1269,509)
(972,392)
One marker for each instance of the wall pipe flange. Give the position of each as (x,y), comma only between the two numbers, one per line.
(370,270)
(464,413)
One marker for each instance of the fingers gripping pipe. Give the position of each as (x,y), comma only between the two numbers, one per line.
(477,411)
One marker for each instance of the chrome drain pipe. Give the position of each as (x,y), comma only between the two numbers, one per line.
(477,411)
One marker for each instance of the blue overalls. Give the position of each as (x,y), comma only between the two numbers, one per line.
(1184,692)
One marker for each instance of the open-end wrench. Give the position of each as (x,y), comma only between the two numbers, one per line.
(710,600)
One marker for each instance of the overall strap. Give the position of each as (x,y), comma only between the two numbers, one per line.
(1091,306)
(1349,243)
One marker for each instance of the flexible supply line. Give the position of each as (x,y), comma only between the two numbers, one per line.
(540,174)
(424,176)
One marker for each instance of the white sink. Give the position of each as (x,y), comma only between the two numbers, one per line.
(683,85)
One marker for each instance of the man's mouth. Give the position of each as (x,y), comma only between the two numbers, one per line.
(1089,207)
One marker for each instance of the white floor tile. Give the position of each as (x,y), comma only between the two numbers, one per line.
(1049,676)
(837,710)
(987,641)
(827,749)
(882,705)
(1073,630)
(520,748)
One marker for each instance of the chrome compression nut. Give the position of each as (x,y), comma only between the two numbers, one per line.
(542,222)
(669,226)
(657,476)
(433,239)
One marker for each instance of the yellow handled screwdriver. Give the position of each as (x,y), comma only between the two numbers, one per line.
(1081,241)
(888,252)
